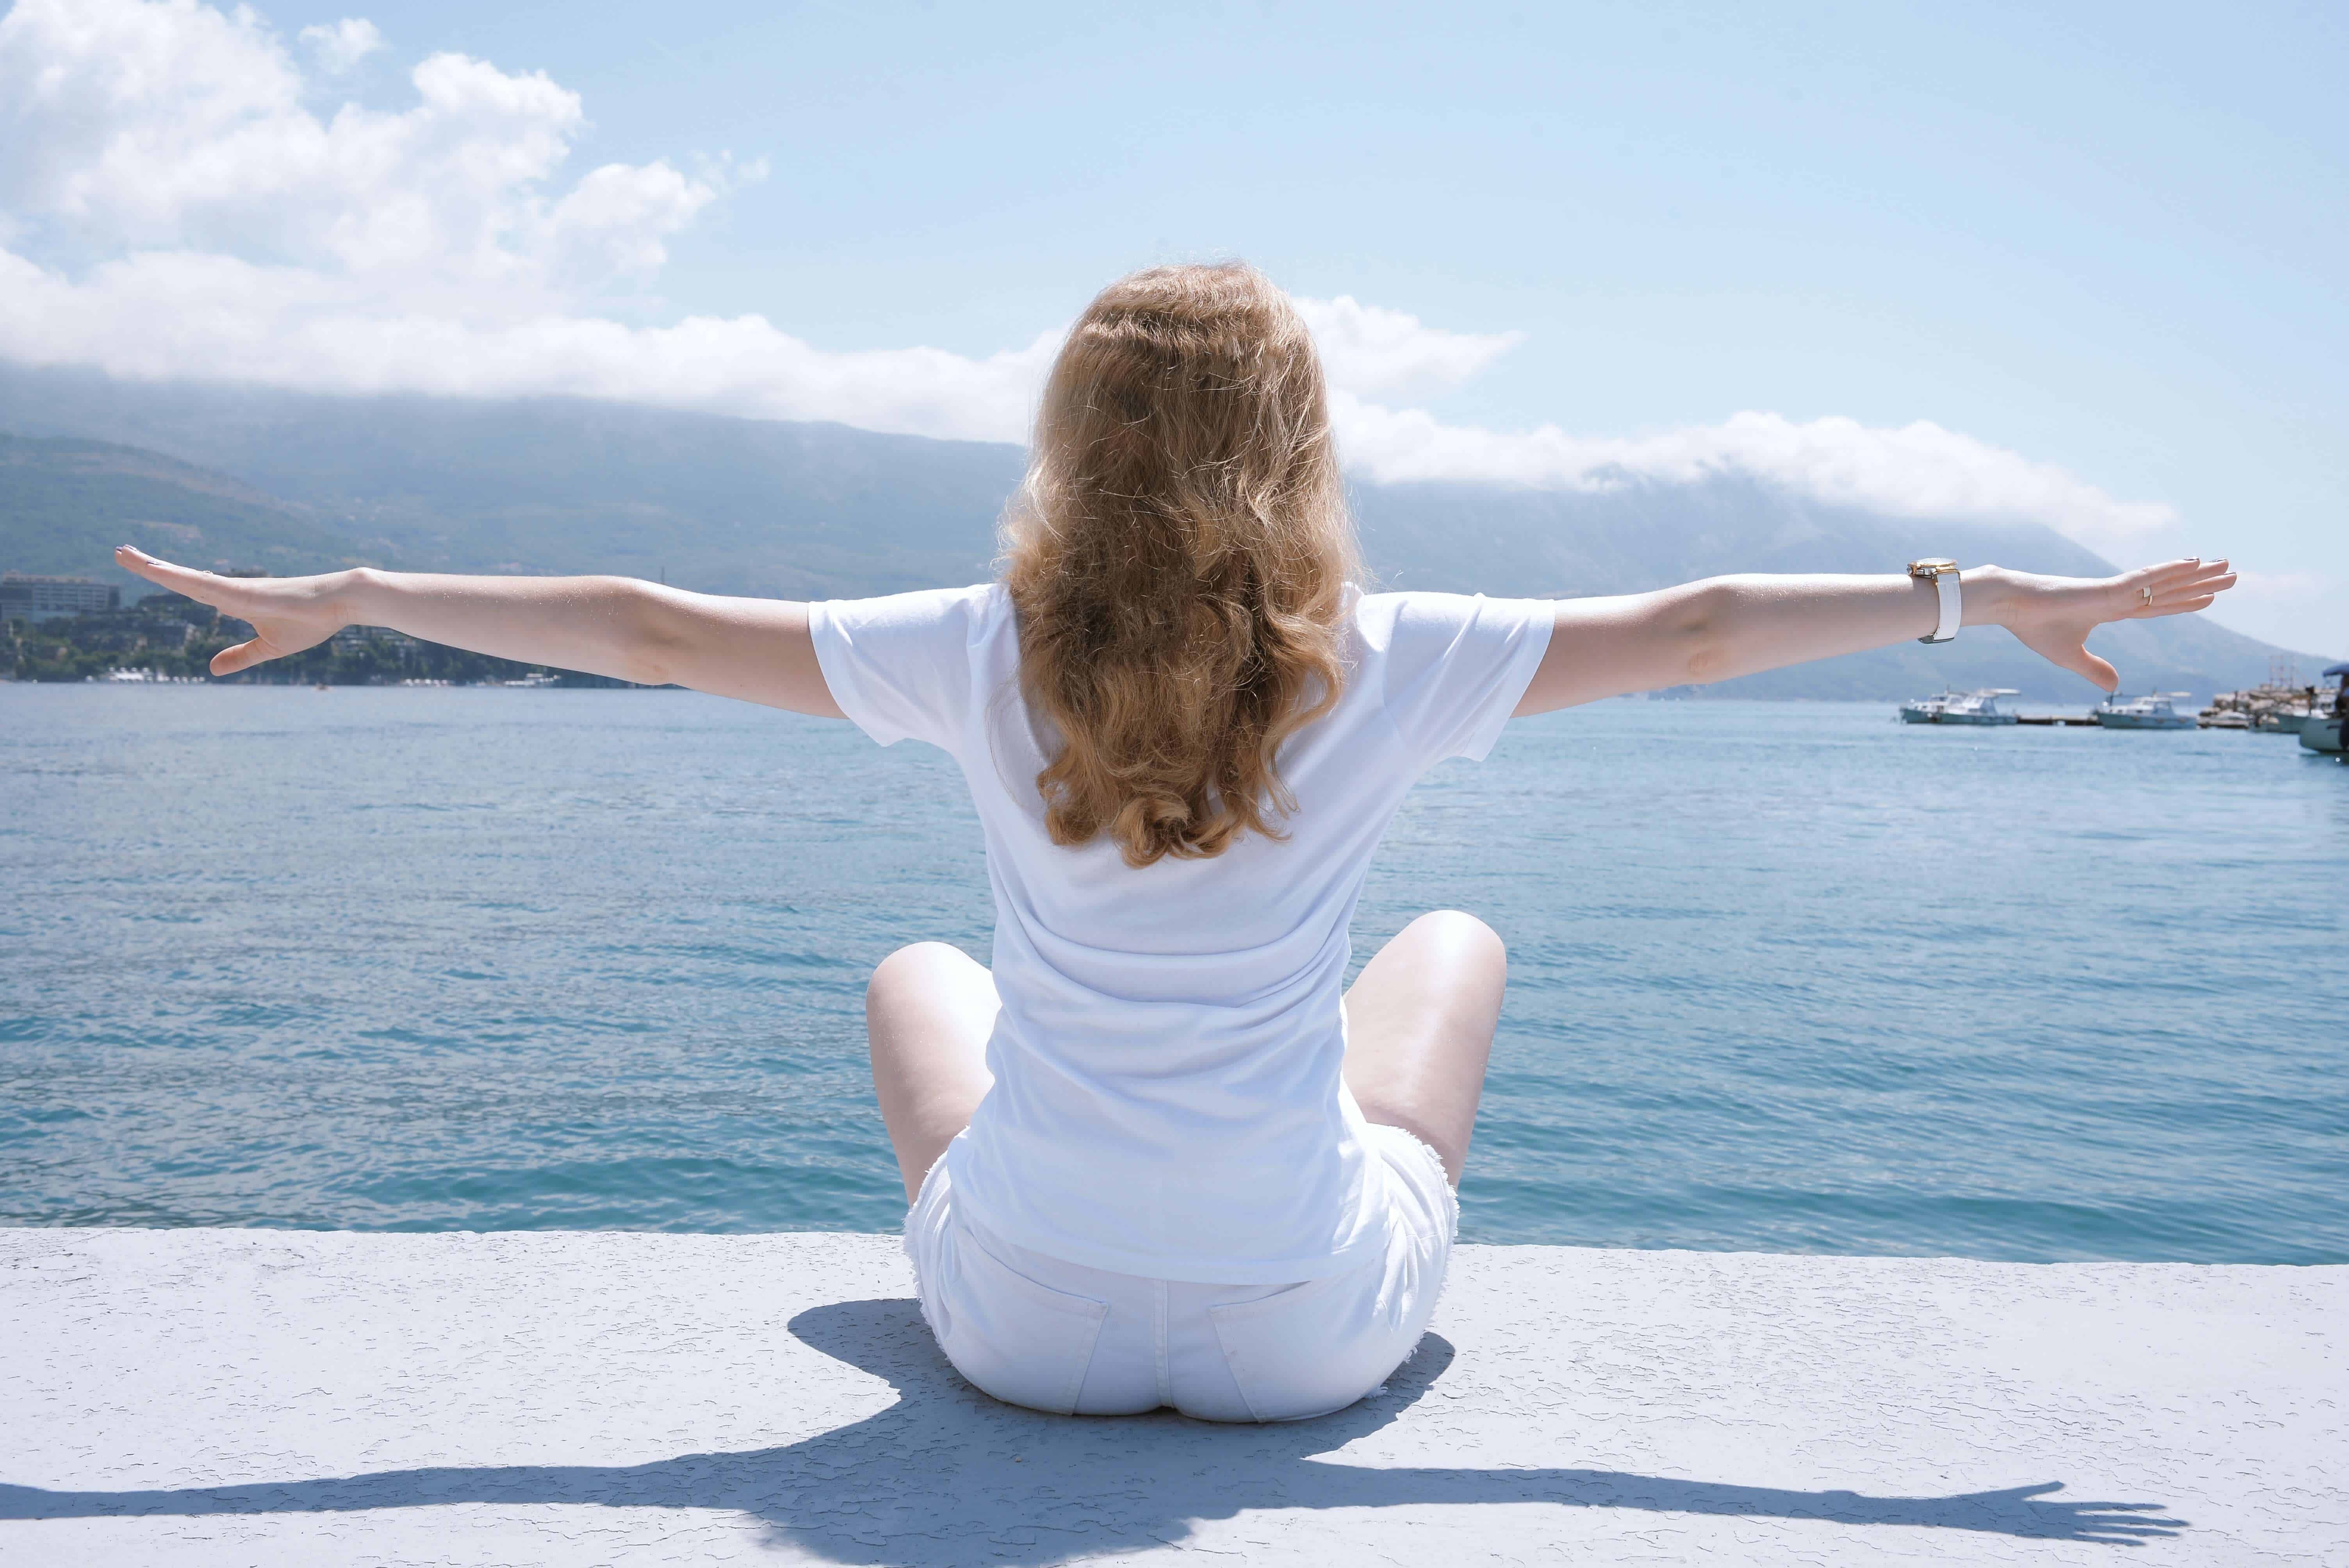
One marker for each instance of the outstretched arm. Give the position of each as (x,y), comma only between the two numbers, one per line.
(1728,626)
(755,649)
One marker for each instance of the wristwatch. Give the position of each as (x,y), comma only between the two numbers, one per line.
(1943,576)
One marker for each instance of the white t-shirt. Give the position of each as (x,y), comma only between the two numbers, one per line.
(1167,1096)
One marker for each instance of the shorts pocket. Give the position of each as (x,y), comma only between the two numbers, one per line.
(1318,1347)
(1022,1342)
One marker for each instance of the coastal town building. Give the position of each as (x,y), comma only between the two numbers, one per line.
(27,596)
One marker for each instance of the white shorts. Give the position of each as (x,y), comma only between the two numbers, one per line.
(1053,1336)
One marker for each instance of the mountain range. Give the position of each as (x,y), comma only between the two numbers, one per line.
(286,481)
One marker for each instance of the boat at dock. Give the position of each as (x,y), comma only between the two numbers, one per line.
(1978,707)
(2279,704)
(1959,708)
(2322,732)
(1926,709)
(2153,710)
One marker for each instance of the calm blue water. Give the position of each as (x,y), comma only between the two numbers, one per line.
(1784,977)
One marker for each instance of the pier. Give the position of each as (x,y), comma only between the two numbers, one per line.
(199,1396)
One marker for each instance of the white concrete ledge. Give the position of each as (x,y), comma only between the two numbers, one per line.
(238,1397)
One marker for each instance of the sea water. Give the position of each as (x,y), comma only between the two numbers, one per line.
(1783,976)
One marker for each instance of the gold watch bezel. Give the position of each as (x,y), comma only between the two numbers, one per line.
(1931,568)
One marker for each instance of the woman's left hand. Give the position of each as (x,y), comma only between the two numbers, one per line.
(2053,616)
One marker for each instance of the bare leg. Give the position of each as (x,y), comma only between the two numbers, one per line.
(1419,1028)
(928,1012)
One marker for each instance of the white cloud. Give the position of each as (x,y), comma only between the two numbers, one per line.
(171,126)
(1914,470)
(159,314)
(1368,349)
(173,204)
(344,44)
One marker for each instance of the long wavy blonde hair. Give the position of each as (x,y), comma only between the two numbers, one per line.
(1178,560)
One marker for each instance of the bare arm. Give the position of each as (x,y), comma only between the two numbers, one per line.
(1728,626)
(755,649)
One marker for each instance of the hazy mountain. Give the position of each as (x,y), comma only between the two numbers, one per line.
(66,504)
(557,485)
(1467,537)
(291,482)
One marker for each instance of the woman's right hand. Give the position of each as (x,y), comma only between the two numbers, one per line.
(287,614)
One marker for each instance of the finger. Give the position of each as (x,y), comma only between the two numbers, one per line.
(2169,574)
(184,579)
(2198,587)
(2080,662)
(2171,596)
(2187,597)
(242,656)
(2069,651)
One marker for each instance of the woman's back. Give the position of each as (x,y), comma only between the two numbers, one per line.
(1167,1098)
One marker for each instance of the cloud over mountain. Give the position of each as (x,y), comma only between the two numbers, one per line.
(1914,470)
(183,192)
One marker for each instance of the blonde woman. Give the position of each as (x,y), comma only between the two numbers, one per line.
(1159,1156)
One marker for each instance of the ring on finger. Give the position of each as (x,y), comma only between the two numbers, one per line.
(2145,595)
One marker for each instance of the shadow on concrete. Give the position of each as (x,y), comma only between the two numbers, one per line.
(946,1468)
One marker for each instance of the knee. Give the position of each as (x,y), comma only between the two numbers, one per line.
(1462,934)
(910,966)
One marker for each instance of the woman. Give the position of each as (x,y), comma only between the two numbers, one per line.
(1158,1156)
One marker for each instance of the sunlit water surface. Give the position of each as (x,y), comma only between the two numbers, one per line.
(1783,976)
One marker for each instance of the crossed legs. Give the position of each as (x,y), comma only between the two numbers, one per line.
(1419,1028)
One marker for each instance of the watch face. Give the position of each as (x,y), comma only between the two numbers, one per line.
(1930,568)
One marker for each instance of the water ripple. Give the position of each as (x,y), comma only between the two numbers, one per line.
(1783,976)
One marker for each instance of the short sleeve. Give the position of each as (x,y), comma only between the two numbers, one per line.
(1456,668)
(901,666)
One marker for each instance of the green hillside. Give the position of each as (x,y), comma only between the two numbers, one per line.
(65,504)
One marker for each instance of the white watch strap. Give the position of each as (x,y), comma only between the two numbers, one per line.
(1954,612)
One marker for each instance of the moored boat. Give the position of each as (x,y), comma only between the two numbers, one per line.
(2153,710)
(1926,709)
(2322,731)
(2277,706)
(1977,707)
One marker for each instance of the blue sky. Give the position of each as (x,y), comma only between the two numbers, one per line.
(2096,250)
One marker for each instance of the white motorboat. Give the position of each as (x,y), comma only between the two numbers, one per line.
(1977,707)
(2322,731)
(1926,709)
(2152,711)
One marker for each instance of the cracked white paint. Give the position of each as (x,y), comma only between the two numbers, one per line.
(236,1397)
